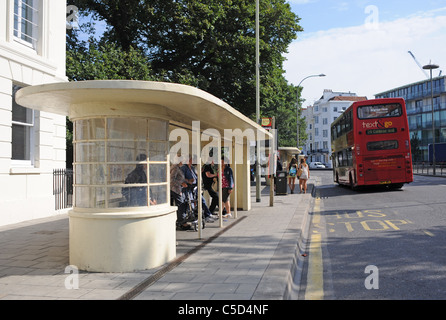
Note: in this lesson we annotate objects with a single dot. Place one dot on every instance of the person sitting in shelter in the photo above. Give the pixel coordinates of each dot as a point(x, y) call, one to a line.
point(178, 185)
point(191, 177)
point(137, 196)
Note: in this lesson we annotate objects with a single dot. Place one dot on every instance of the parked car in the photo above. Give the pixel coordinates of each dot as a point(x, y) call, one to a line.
point(316, 165)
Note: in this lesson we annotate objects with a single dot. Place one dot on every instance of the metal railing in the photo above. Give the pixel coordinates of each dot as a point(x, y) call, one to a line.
point(63, 188)
point(428, 169)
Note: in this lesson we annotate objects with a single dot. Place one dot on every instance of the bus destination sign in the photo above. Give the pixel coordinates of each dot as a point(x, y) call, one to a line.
point(381, 131)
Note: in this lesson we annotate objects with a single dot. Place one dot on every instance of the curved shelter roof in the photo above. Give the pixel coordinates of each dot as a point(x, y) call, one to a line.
point(171, 101)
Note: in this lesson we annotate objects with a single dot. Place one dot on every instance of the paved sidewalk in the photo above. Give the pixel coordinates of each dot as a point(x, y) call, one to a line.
point(253, 257)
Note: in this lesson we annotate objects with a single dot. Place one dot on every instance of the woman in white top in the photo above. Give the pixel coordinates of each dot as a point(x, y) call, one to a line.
point(304, 176)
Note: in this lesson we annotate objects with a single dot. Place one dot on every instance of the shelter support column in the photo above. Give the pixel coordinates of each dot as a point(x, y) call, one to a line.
point(243, 180)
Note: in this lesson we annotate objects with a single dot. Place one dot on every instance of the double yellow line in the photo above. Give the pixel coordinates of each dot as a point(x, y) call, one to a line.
point(315, 274)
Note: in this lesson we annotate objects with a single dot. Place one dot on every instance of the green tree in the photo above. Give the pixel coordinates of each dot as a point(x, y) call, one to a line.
point(209, 44)
point(94, 60)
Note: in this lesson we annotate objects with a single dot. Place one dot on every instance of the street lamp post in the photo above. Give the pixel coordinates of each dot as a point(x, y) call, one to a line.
point(431, 67)
point(257, 99)
point(298, 105)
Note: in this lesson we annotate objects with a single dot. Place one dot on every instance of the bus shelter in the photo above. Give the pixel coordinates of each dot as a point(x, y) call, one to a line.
point(127, 135)
point(286, 154)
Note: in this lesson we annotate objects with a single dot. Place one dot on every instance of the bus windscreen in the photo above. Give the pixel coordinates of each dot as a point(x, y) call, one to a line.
point(380, 111)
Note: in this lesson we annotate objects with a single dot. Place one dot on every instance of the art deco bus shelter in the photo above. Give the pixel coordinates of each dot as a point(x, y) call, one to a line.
point(122, 219)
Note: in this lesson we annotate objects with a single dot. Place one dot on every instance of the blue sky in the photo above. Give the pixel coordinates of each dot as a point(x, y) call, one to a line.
point(319, 15)
point(363, 45)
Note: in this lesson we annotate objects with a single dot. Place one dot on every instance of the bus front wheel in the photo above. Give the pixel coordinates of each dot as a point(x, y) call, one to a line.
point(352, 186)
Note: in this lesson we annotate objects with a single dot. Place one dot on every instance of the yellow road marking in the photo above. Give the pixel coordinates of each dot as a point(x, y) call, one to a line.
point(430, 234)
point(315, 274)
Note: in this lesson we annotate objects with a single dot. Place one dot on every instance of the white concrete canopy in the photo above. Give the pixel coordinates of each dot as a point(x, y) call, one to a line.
point(179, 102)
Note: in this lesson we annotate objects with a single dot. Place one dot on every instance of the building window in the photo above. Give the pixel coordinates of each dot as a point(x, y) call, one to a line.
point(26, 21)
point(22, 132)
point(325, 143)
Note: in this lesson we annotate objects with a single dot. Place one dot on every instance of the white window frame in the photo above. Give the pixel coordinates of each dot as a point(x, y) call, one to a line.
point(18, 33)
point(30, 139)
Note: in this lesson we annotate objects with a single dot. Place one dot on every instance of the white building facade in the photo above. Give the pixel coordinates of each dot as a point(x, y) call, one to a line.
point(319, 118)
point(32, 143)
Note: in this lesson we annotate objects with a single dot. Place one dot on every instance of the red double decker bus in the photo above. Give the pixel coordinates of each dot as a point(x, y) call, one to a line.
point(371, 145)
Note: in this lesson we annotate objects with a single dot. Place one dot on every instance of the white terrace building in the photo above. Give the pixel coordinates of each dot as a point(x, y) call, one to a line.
point(319, 118)
point(32, 143)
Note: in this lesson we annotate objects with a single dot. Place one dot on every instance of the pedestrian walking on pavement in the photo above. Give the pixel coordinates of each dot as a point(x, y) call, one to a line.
point(304, 176)
point(292, 172)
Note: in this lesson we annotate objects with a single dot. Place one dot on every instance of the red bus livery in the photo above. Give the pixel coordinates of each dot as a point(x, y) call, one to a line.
point(371, 145)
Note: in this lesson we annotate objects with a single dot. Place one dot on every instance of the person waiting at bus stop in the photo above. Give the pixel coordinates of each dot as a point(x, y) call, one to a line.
point(137, 196)
point(210, 174)
point(178, 184)
point(227, 184)
point(191, 177)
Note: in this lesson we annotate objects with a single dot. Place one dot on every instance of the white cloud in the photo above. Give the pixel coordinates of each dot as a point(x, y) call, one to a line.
point(365, 60)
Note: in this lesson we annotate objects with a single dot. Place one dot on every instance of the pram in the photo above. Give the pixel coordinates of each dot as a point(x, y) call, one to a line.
point(191, 212)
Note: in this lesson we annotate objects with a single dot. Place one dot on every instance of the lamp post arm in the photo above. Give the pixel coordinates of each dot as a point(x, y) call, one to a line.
point(298, 104)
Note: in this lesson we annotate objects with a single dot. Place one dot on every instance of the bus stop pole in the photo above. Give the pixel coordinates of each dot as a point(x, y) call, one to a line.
point(220, 194)
point(234, 170)
point(258, 196)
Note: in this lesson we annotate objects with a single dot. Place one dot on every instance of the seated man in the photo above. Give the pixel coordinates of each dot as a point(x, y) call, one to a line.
point(137, 196)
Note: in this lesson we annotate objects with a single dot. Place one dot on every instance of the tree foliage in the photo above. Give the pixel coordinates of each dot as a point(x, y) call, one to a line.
point(209, 44)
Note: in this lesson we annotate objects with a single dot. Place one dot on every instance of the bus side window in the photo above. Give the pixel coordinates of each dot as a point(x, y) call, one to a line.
point(348, 122)
point(349, 157)
point(333, 133)
point(339, 157)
